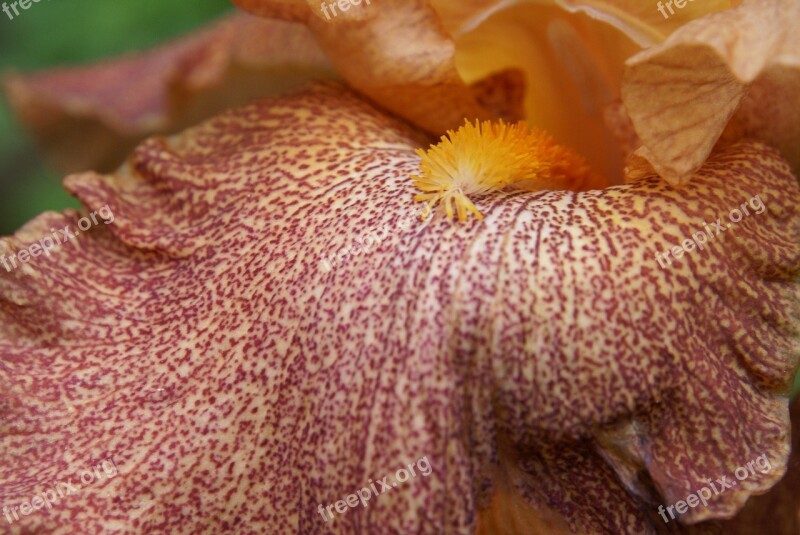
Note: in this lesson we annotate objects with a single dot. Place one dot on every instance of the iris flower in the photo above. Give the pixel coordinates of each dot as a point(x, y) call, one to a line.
point(268, 325)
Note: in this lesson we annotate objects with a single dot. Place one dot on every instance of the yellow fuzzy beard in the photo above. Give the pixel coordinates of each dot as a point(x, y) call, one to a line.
point(487, 157)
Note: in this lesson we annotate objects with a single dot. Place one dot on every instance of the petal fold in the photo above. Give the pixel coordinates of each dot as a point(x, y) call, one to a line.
point(780, 507)
point(640, 21)
point(398, 53)
point(738, 69)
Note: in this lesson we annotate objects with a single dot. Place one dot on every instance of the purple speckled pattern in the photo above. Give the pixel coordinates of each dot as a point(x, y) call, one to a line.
point(237, 385)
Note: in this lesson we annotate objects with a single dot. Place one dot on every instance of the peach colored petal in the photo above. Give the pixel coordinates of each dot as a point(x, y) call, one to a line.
point(645, 22)
point(738, 68)
point(542, 355)
point(91, 117)
point(401, 54)
point(572, 67)
point(642, 22)
point(428, 61)
point(397, 53)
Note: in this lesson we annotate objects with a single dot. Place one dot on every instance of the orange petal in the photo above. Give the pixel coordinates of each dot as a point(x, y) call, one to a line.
point(535, 61)
point(572, 67)
point(397, 53)
point(571, 53)
point(91, 117)
point(269, 328)
point(741, 64)
point(554, 55)
point(643, 22)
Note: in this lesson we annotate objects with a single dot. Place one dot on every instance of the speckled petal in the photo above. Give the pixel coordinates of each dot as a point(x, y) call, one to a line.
point(242, 370)
point(91, 117)
point(739, 69)
point(780, 507)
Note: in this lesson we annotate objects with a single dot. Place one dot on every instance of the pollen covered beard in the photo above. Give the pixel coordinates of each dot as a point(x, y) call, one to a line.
point(488, 157)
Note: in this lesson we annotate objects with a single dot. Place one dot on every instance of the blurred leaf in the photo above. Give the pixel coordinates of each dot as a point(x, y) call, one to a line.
point(70, 32)
point(796, 389)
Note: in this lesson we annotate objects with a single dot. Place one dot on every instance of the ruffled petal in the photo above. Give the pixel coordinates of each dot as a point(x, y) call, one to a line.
point(266, 328)
point(780, 507)
point(426, 60)
point(398, 54)
point(539, 60)
point(91, 117)
point(738, 69)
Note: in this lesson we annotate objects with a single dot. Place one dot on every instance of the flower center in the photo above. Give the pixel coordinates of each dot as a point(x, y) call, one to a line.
point(488, 157)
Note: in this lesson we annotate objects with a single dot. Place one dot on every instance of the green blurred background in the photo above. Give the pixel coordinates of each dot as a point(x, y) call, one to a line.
point(71, 32)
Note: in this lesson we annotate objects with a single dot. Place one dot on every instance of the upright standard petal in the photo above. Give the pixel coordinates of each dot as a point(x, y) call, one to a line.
point(647, 23)
point(397, 53)
point(739, 69)
point(423, 61)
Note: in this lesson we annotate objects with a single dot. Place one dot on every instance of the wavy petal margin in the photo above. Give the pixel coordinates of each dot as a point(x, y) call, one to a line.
point(780, 508)
point(738, 69)
point(647, 23)
point(91, 117)
point(425, 60)
point(641, 21)
point(245, 354)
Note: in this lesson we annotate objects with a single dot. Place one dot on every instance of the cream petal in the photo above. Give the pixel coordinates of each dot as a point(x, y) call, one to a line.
point(739, 66)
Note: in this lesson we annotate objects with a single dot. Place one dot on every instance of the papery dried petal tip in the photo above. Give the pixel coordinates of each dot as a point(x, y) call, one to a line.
point(487, 157)
point(726, 77)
